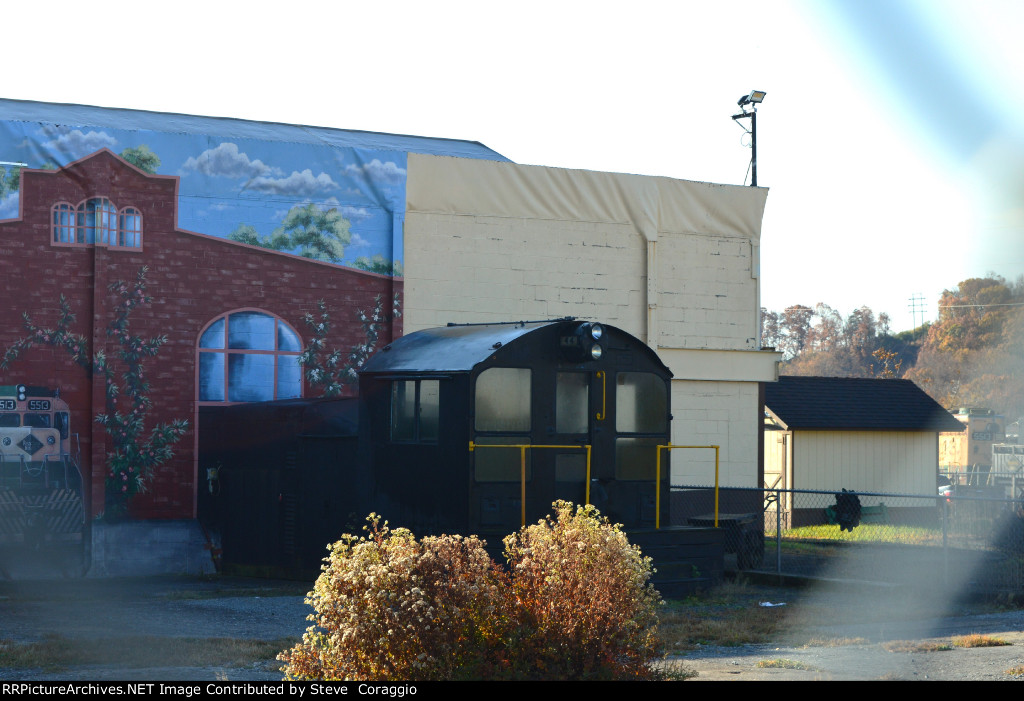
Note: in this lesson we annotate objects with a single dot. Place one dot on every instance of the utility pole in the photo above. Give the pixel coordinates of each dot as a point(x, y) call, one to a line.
point(916, 305)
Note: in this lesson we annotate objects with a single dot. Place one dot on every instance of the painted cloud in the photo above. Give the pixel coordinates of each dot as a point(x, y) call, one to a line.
point(75, 144)
point(227, 161)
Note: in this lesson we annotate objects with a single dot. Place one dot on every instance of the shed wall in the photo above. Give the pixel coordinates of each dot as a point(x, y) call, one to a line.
point(895, 461)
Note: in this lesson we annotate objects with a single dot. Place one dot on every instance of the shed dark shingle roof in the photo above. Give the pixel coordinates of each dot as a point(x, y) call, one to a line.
point(855, 403)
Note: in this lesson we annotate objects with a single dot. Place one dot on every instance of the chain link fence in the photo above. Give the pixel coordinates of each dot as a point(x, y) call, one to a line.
point(963, 539)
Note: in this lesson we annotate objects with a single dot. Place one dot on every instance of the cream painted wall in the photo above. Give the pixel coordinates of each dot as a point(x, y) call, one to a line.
point(869, 461)
point(671, 262)
point(715, 413)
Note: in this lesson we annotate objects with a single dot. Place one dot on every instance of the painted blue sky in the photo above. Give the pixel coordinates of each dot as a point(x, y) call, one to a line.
point(227, 182)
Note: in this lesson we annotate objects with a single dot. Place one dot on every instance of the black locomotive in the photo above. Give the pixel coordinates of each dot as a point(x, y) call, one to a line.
point(468, 428)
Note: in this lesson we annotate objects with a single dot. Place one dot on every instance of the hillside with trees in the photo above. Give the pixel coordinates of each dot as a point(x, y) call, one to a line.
point(972, 355)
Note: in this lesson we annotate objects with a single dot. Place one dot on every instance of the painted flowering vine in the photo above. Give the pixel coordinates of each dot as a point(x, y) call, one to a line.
point(332, 370)
point(135, 451)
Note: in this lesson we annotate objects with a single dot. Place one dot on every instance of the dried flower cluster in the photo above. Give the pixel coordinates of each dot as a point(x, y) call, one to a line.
point(574, 605)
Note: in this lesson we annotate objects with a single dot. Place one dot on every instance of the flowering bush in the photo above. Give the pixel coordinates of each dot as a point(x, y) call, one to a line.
point(391, 608)
point(584, 607)
point(575, 604)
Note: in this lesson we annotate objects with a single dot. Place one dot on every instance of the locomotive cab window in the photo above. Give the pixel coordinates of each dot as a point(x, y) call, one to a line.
point(414, 411)
point(641, 403)
point(503, 399)
point(502, 404)
point(641, 413)
point(572, 399)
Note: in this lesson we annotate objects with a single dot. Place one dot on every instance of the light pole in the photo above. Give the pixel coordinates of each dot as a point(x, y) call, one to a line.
point(753, 99)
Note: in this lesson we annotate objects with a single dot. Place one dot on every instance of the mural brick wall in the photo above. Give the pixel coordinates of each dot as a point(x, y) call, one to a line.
point(193, 278)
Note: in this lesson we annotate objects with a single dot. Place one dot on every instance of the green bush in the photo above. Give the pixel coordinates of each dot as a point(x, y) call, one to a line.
point(574, 604)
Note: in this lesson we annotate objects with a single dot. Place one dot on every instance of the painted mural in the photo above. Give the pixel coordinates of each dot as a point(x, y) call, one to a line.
point(339, 205)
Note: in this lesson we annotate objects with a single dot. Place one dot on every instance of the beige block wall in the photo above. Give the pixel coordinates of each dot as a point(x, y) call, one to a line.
point(671, 262)
point(715, 413)
point(480, 268)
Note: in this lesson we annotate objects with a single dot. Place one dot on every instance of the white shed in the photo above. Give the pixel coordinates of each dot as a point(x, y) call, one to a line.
point(860, 434)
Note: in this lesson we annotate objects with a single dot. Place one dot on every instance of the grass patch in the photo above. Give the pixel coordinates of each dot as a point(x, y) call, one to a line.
point(782, 663)
point(916, 646)
point(809, 547)
point(56, 652)
point(867, 533)
point(1017, 671)
point(727, 615)
point(834, 642)
point(978, 640)
point(675, 671)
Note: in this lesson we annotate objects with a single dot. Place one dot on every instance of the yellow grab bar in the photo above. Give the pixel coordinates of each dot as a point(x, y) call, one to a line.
point(523, 447)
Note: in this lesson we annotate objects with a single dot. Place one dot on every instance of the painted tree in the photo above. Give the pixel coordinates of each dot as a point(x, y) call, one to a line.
point(10, 180)
point(320, 234)
point(135, 451)
point(379, 264)
point(331, 370)
point(142, 158)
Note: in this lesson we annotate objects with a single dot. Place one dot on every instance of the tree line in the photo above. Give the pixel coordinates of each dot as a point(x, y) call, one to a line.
point(971, 355)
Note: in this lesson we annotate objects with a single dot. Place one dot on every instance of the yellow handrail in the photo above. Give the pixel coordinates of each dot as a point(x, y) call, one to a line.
point(523, 447)
point(657, 480)
point(604, 394)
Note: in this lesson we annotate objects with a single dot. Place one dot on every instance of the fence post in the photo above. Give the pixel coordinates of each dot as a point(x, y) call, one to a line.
point(945, 542)
point(778, 533)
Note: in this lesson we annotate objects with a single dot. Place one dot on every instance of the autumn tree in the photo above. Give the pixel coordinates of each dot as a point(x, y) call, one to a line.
point(796, 326)
point(771, 329)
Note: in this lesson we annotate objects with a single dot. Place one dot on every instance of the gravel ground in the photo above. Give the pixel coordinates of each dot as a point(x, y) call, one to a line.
point(838, 631)
point(182, 607)
point(270, 610)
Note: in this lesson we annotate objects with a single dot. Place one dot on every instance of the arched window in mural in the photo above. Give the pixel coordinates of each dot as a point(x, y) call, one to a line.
point(129, 228)
point(249, 356)
point(97, 220)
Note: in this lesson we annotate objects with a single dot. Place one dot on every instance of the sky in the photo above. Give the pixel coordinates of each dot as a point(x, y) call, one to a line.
point(891, 139)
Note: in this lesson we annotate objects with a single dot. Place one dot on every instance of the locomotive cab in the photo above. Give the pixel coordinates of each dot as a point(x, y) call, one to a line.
point(479, 428)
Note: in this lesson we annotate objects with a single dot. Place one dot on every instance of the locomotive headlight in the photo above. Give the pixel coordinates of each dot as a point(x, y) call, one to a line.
point(581, 342)
point(22, 390)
